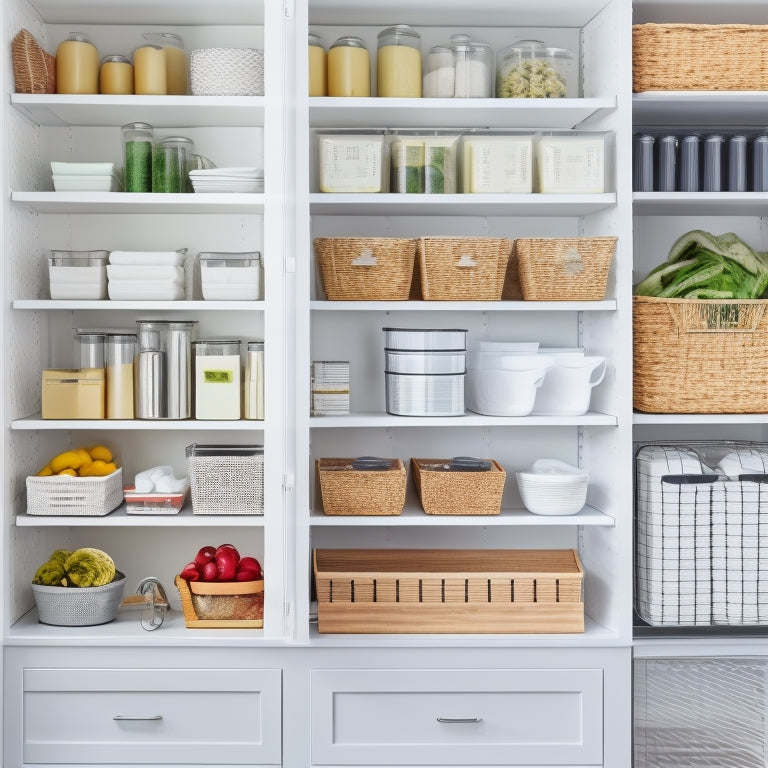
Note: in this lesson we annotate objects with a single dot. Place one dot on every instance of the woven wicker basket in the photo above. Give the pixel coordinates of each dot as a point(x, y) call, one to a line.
point(347, 491)
point(34, 69)
point(226, 72)
point(462, 268)
point(700, 355)
point(564, 268)
point(458, 493)
point(226, 604)
point(448, 590)
point(365, 268)
point(699, 57)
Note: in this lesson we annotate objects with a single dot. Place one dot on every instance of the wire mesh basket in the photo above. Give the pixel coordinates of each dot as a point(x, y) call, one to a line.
point(226, 479)
point(79, 606)
point(701, 533)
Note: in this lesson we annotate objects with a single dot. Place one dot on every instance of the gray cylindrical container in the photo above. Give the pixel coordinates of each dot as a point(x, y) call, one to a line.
point(643, 163)
point(737, 164)
point(689, 164)
point(713, 164)
point(150, 390)
point(760, 164)
point(667, 164)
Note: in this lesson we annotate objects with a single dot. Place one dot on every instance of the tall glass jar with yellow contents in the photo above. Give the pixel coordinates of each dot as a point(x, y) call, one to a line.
point(398, 62)
point(77, 65)
point(349, 68)
point(318, 66)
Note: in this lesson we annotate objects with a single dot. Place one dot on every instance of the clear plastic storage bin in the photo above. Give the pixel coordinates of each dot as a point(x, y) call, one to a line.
point(78, 274)
point(231, 276)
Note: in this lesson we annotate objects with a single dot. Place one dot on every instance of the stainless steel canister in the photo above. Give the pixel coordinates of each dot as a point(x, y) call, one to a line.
point(150, 390)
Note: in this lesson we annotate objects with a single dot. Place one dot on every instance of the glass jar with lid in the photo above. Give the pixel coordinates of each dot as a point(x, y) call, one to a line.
point(137, 157)
point(349, 68)
point(116, 75)
point(529, 69)
point(170, 164)
point(318, 66)
point(398, 62)
point(175, 60)
point(150, 76)
point(461, 68)
point(77, 65)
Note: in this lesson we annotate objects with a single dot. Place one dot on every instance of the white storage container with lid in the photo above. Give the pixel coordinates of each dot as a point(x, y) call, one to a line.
point(231, 276)
point(78, 274)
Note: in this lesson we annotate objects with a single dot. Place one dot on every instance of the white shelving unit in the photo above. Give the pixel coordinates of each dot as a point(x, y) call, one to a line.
point(288, 667)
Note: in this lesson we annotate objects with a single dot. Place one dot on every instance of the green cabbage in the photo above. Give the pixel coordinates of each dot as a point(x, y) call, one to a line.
point(90, 567)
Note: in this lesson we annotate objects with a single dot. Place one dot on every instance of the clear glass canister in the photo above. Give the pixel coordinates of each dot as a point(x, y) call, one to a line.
point(349, 68)
point(150, 75)
point(474, 67)
point(529, 69)
point(137, 155)
point(116, 75)
point(217, 379)
point(89, 349)
point(398, 62)
point(120, 349)
point(77, 65)
point(171, 160)
point(253, 386)
point(439, 73)
point(318, 66)
point(175, 60)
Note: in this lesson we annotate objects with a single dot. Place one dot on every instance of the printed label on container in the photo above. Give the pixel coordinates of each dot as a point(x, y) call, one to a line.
point(218, 377)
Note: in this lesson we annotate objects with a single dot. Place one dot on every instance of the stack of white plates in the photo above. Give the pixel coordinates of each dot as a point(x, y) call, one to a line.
point(227, 180)
point(553, 487)
point(84, 177)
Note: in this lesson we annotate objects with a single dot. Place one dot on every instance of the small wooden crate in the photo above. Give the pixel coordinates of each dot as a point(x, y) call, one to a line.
point(207, 604)
point(348, 491)
point(699, 57)
point(462, 268)
point(476, 591)
point(458, 493)
point(564, 268)
point(365, 268)
point(700, 355)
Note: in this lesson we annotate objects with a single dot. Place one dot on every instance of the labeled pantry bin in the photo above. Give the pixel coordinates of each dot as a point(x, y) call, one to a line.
point(74, 496)
point(365, 268)
point(392, 591)
point(226, 479)
point(700, 355)
point(225, 605)
point(367, 485)
point(564, 268)
point(460, 486)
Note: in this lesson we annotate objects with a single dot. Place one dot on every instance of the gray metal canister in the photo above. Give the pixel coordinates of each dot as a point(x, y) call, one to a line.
point(150, 392)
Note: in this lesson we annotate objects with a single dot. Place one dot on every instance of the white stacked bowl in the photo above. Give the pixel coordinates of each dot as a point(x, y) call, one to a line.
point(553, 488)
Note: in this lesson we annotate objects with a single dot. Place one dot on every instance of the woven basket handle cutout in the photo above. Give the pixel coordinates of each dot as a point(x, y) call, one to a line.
point(365, 259)
point(717, 317)
point(466, 260)
point(572, 262)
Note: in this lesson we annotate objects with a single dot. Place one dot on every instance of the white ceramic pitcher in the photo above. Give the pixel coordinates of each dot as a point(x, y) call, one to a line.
point(567, 388)
point(499, 392)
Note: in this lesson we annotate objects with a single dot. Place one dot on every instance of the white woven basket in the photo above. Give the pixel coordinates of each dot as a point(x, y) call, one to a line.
point(74, 496)
point(226, 483)
point(79, 606)
point(227, 72)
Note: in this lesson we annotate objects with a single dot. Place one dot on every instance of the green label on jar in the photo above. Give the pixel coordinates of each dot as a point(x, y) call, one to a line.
point(218, 377)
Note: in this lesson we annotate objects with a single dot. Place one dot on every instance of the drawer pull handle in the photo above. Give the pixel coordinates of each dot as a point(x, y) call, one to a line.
point(137, 717)
point(459, 719)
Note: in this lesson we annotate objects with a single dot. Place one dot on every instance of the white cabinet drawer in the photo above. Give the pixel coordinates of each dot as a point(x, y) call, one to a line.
point(156, 716)
point(457, 717)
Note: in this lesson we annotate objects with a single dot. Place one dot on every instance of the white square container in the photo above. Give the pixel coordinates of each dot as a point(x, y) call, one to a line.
point(231, 276)
point(410, 394)
point(573, 164)
point(351, 162)
point(496, 164)
point(78, 274)
point(426, 339)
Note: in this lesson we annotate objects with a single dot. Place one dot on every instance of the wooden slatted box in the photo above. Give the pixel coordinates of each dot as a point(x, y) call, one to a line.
point(448, 591)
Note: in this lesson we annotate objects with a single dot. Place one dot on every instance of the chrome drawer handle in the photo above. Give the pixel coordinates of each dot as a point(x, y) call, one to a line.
point(137, 717)
point(459, 719)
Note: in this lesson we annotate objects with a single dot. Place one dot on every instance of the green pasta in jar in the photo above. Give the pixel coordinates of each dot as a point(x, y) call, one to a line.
point(529, 70)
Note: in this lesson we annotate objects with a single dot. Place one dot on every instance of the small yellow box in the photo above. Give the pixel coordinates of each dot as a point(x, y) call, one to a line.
point(73, 393)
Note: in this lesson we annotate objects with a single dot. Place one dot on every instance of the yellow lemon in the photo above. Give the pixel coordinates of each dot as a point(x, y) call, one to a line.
point(67, 460)
point(100, 452)
point(85, 457)
point(100, 468)
point(45, 471)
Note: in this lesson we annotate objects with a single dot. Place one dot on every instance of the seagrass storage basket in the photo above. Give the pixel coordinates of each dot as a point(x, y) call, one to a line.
point(227, 604)
point(74, 496)
point(462, 268)
point(564, 268)
point(448, 590)
point(348, 487)
point(226, 479)
point(365, 268)
point(699, 57)
point(700, 355)
point(443, 492)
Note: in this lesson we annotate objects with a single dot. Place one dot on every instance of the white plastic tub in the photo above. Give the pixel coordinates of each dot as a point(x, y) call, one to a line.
point(231, 276)
point(78, 274)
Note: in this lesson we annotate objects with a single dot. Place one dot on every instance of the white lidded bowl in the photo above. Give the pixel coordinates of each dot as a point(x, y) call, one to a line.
point(552, 487)
point(505, 392)
point(402, 361)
